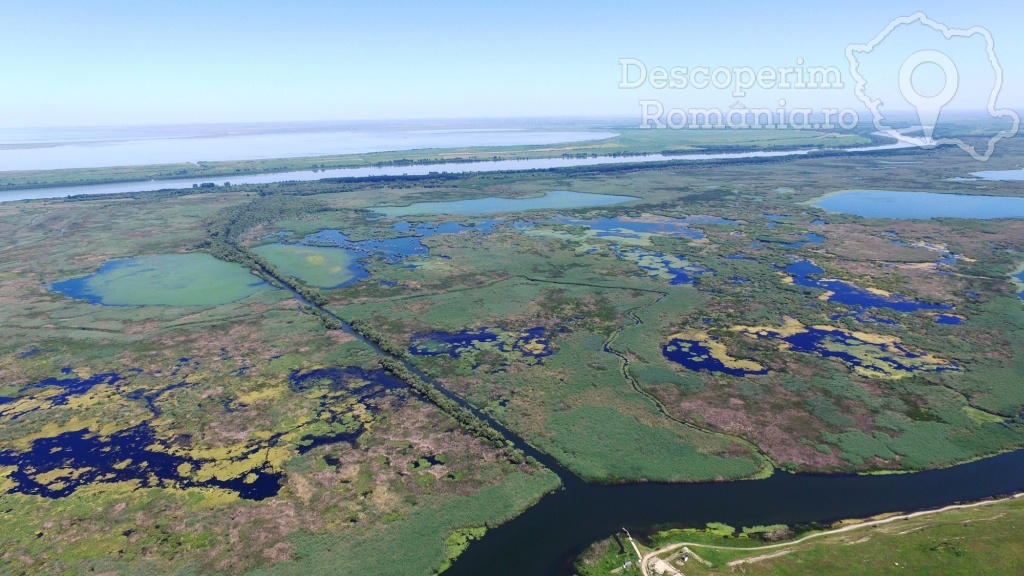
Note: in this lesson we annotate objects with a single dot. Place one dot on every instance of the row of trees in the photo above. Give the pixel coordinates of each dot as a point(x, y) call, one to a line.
point(231, 223)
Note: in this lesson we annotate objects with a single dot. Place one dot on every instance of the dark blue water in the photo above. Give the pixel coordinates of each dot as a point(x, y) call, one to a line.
point(544, 539)
point(851, 295)
point(395, 250)
point(79, 288)
point(822, 343)
point(693, 355)
point(123, 456)
point(811, 238)
point(68, 387)
point(368, 387)
point(679, 274)
point(455, 344)
point(105, 457)
point(949, 319)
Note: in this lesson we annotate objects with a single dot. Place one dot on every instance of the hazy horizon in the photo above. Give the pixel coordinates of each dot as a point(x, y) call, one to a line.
point(131, 64)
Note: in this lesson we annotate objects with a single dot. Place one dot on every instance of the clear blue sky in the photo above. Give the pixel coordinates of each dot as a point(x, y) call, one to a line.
point(103, 63)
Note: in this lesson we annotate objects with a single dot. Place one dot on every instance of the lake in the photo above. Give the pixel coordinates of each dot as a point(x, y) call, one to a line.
point(194, 279)
point(1011, 175)
point(62, 148)
point(909, 205)
point(554, 200)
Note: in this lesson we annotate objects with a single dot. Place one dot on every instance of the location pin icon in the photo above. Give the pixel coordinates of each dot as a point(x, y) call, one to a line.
point(929, 107)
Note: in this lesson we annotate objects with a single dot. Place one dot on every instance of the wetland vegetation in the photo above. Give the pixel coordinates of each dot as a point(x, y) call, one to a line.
point(293, 367)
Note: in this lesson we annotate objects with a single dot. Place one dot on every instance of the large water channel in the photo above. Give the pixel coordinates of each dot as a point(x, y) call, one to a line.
point(544, 540)
point(377, 171)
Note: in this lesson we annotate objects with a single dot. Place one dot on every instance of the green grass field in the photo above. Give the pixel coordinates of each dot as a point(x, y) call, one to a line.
point(216, 381)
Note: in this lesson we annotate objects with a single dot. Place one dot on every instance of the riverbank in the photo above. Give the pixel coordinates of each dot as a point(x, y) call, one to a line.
point(629, 145)
point(921, 542)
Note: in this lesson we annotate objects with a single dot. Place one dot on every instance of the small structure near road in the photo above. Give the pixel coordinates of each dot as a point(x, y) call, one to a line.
point(662, 568)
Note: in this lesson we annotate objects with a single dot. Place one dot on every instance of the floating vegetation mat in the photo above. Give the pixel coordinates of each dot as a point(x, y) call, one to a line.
point(806, 273)
point(675, 269)
point(530, 345)
point(64, 454)
point(874, 355)
point(700, 351)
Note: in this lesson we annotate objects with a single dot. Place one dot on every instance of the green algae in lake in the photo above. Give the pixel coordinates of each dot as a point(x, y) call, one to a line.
point(622, 230)
point(315, 265)
point(676, 269)
point(530, 345)
point(556, 200)
point(194, 279)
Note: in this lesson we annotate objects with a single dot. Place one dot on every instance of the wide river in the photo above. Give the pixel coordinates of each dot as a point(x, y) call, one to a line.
point(415, 170)
point(544, 539)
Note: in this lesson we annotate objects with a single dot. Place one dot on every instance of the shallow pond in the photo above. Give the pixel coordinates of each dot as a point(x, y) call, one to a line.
point(133, 454)
point(349, 394)
point(700, 352)
point(1011, 175)
point(810, 238)
point(844, 293)
point(315, 265)
point(396, 250)
point(643, 227)
point(554, 200)
point(906, 205)
point(872, 355)
point(56, 466)
point(531, 344)
point(194, 279)
point(676, 269)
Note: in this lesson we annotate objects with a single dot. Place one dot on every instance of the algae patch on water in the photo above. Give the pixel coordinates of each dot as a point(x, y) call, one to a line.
point(530, 345)
point(193, 279)
point(315, 265)
point(874, 355)
point(700, 351)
